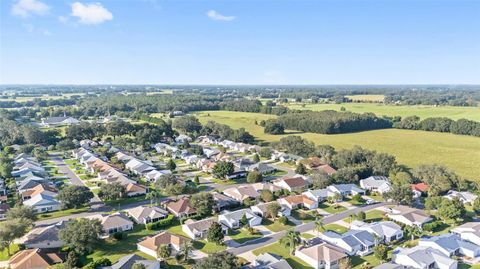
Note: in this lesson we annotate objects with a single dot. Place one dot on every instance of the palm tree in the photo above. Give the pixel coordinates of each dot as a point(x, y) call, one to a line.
point(152, 195)
point(164, 251)
point(416, 231)
point(186, 248)
point(319, 227)
point(291, 239)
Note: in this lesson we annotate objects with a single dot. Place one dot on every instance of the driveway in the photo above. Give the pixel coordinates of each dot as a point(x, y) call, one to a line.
point(267, 240)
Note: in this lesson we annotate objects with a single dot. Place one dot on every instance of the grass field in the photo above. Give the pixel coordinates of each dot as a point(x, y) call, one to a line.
point(366, 97)
point(43, 97)
point(453, 112)
point(278, 249)
point(412, 148)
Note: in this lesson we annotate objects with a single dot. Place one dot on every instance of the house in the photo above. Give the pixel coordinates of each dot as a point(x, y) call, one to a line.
point(139, 167)
point(327, 169)
point(469, 231)
point(182, 139)
point(346, 189)
point(353, 242)
point(409, 216)
point(298, 201)
point(451, 244)
point(114, 223)
point(464, 196)
point(151, 244)
point(321, 256)
point(390, 265)
point(232, 219)
point(284, 158)
point(165, 149)
point(154, 175)
point(387, 231)
point(127, 262)
point(421, 257)
point(262, 168)
point(292, 184)
point(39, 189)
point(269, 261)
point(43, 203)
point(260, 186)
point(318, 195)
point(262, 208)
point(223, 202)
point(419, 189)
point(43, 237)
point(199, 229)
point(34, 259)
point(134, 189)
point(209, 152)
point(313, 162)
point(378, 184)
point(181, 208)
point(147, 214)
point(242, 193)
point(3, 210)
point(58, 121)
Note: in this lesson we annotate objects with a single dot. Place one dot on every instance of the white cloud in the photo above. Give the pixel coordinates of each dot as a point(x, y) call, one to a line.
point(214, 15)
point(63, 19)
point(93, 13)
point(26, 8)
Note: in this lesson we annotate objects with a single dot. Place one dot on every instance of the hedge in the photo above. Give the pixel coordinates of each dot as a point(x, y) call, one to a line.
point(161, 223)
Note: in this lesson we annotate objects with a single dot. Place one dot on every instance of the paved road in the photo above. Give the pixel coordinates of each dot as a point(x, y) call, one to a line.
point(267, 240)
point(57, 159)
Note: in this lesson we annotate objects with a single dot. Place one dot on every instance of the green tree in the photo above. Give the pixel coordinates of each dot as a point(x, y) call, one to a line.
point(320, 179)
point(203, 203)
point(476, 205)
point(244, 220)
point(81, 235)
point(138, 266)
point(451, 209)
point(152, 195)
point(11, 230)
point(274, 127)
point(222, 169)
point(273, 209)
point(300, 169)
point(291, 240)
point(196, 179)
point(254, 177)
point(187, 124)
point(74, 196)
point(361, 215)
point(111, 191)
point(164, 251)
point(256, 158)
point(21, 212)
point(171, 165)
point(319, 227)
point(186, 249)
point(267, 196)
point(215, 234)
point(380, 251)
point(345, 263)
point(401, 194)
point(218, 260)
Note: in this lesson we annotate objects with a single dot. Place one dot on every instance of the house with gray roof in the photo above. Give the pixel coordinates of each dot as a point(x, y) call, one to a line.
point(269, 261)
point(262, 168)
point(422, 257)
point(127, 262)
point(451, 244)
point(319, 195)
point(43, 203)
point(353, 242)
point(464, 196)
point(147, 214)
point(409, 216)
point(346, 189)
point(43, 236)
point(388, 231)
point(58, 121)
point(469, 231)
point(199, 229)
point(232, 219)
point(380, 184)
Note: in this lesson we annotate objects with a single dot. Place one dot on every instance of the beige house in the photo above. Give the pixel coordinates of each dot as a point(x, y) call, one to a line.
point(34, 259)
point(199, 229)
point(181, 208)
point(409, 216)
point(113, 223)
point(147, 214)
point(151, 244)
point(321, 256)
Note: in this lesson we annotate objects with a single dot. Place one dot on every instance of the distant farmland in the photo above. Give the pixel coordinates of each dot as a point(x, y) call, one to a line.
point(460, 153)
point(453, 112)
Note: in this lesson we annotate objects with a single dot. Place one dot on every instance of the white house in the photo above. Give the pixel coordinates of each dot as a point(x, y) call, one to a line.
point(269, 261)
point(388, 231)
point(43, 203)
point(147, 214)
point(464, 196)
point(298, 201)
point(451, 245)
point(58, 121)
point(378, 184)
point(199, 229)
point(346, 189)
point(262, 208)
point(113, 223)
point(292, 183)
point(353, 242)
point(409, 216)
point(421, 257)
point(469, 231)
point(318, 195)
point(232, 219)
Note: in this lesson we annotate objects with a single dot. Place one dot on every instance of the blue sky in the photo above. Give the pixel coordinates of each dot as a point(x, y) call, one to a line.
point(239, 42)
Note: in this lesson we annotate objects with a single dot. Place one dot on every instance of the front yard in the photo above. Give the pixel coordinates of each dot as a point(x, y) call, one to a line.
point(278, 249)
point(62, 213)
point(336, 228)
point(208, 247)
point(332, 209)
point(302, 215)
point(276, 226)
point(242, 235)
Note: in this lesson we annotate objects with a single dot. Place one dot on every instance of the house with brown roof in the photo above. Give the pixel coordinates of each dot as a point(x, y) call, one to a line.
point(327, 169)
point(292, 183)
point(321, 256)
point(134, 189)
point(151, 244)
point(39, 189)
point(43, 237)
point(199, 229)
point(419, 189)
point(313, 162)
point(34, 259)
point(181, 208)
point(409, 216)
point(113, 223)
point(241, 193)
point(297, 201)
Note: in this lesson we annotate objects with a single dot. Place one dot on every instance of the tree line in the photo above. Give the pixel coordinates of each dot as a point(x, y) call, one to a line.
point(440, 124)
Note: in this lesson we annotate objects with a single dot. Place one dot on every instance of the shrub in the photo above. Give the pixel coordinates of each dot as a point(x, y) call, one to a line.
point(161, 223)
point(283, 220)
point(119, 235)
point(432, 226)
point(102, 262)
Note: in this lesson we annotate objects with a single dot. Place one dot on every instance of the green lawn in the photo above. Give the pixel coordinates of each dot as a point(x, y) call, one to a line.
point(207, 247)
point(276, 226)
point(177, 229)
point(278, 249)
point(331, 208)
point(374, 215)
point(366, 97)
point(336, 228)
point(307, 235)
point(358, 262)
point(4, 254)
point(377, 197)
point(303, 215)
point(242, 235)
point(61, 213)
point(125, 201)
point(458, 152)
